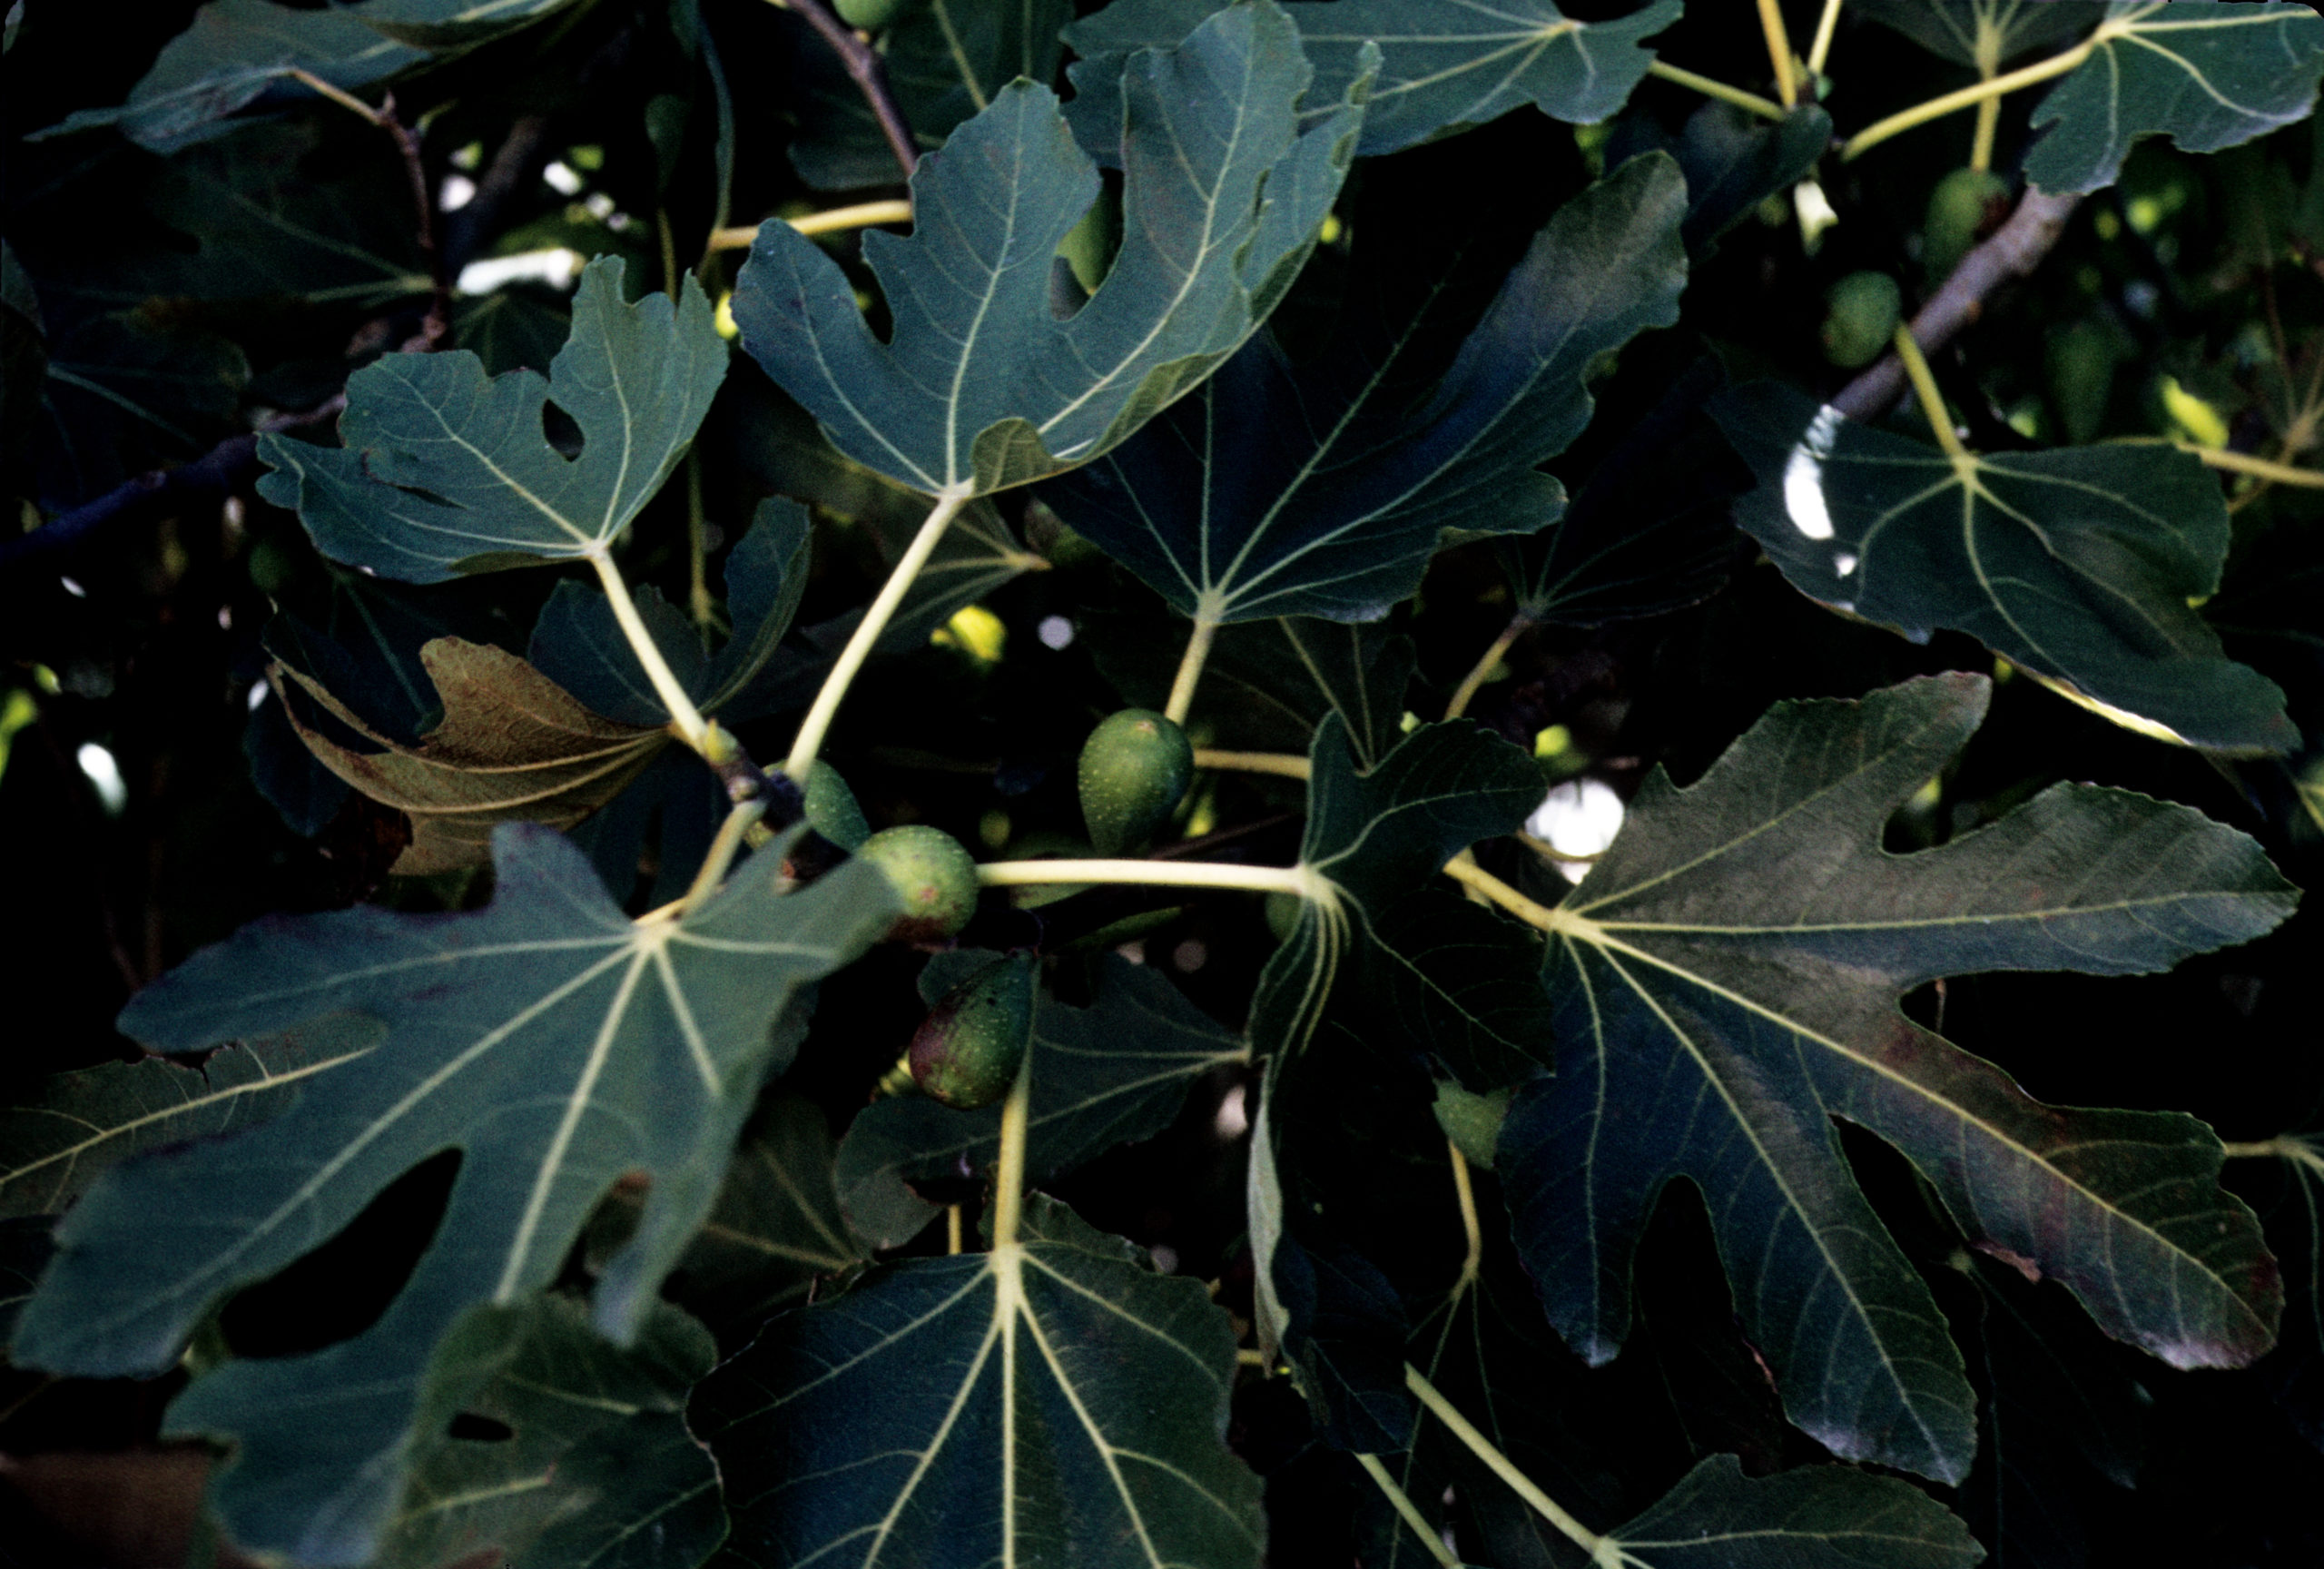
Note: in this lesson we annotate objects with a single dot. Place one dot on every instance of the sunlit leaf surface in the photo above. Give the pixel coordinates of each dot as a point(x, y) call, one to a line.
point(2208, 74)
point(447, 471)
point(2082, 564)
point(980, 385)
point(1444, 64)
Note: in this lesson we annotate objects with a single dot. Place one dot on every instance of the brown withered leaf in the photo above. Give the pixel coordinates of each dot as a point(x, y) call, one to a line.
point(513, 745)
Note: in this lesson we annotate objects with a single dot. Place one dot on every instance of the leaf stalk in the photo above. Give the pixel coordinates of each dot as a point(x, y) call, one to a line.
point(1482, 671)
point(1821, 50)
point(861, 215)
point(1401, 1502)
point(1296, 880)
point(818, 722)
point(1908, 351)
point(1500, 1465)
point(1009, 1179)
point(1991, 87)
point(1779, 50)
point(1287, 764)
point(1182, 689)
point(684, 717)
point(1764, 107)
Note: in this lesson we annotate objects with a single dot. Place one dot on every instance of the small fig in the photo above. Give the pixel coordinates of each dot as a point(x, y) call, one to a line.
point(967, 1051)
point(1860, 316)
point(933, 876)
point(1964, 205)
point(867, 16)
point(1473, 1121)
point(831, 808)
point(1134, 768)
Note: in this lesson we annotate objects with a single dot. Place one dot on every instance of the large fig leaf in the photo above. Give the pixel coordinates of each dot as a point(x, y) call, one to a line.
point(1444, 65)
point(980, 385)
point(556, 1044)
point(1817, 1517)
point(2082, 565)
point(1110, 1073)
point(1046, 1402)
point(2208, 74)
point(775, 1231)
point(1727, 979)
point(1322, 491)
point(949, 59)
point(87, 1121)
point(1375, 836)
point(238, 51)
point(561, 1395)
point(1993, 31)
point(447, 471)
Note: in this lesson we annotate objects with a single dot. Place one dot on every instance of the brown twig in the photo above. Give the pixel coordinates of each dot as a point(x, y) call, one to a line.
point(163, 493)
point(440, 310)
point(2014, 251)
point(871, 74)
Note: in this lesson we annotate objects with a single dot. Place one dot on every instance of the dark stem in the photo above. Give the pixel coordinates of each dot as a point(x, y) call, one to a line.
point(2016, 249)
point(163, 493)
point(439, 309)
point(863, 64)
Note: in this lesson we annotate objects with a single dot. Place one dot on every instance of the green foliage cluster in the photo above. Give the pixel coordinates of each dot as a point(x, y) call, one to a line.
point(1375, 781)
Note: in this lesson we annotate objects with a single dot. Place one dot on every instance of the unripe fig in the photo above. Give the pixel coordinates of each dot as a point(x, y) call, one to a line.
point(931, 873)
point(2080, 364)
point(870, 15)
point(1964, 206)
point(967, 1051)
point(831, 807)
point(1473, 1121)
point(1133, 768)
point(1860, 316)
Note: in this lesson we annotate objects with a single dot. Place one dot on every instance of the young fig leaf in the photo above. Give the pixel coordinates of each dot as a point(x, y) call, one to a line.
point(980, 385)
point(445, 471)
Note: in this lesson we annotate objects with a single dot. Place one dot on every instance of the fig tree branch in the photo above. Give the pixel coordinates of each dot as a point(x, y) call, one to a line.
point(871, 74)
point(2015, 250)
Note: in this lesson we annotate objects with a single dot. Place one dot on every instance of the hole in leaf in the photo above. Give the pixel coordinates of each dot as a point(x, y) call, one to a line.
point(339, 1290)
point(558, 429)
point(479, 1429)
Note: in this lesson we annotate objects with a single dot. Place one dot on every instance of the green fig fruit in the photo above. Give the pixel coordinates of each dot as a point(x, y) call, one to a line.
point(831, 808)
point(2081, 358)
point(1964, 206)
point(967, 1051)
point(1860, 316)
point(1473, 1121)
point(1134, 768)
point(867, 16)
point(933, 876)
